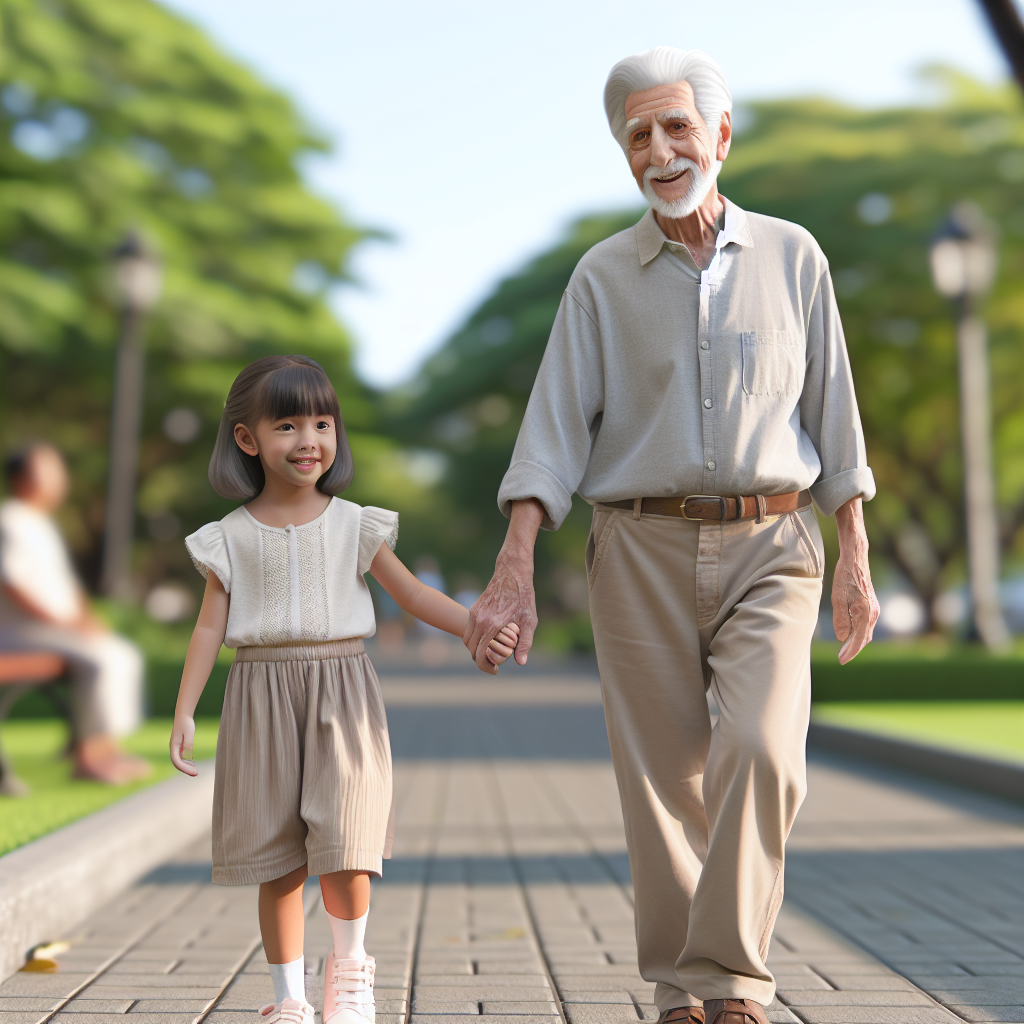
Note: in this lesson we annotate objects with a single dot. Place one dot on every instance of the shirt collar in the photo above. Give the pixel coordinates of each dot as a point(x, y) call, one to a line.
point(650, 238)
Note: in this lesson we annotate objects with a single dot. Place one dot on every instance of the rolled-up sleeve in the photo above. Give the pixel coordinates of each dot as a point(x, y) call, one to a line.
point(828, 408)
point(553, 447)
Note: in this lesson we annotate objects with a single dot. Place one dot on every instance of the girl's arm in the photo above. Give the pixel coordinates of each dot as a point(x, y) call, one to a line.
point(431, 606)
point(203, 649)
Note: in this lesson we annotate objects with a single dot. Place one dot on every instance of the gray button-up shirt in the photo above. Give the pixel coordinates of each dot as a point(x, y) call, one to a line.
point(661, 379)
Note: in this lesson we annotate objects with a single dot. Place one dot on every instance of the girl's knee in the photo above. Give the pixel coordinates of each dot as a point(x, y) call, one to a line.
point(286, 883)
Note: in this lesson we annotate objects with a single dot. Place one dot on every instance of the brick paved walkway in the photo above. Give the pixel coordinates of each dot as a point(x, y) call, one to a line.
point(508, 899)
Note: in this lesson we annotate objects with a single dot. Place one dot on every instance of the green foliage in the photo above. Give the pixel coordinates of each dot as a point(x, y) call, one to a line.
point(117, 114)
point(468, 403)
point(929, 669)
point(811, 162)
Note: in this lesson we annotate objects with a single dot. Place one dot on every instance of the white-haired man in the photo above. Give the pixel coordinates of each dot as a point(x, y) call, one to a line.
point(696, 390)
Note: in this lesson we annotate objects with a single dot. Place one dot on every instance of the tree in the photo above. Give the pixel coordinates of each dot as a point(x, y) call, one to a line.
point(872, 186)
point(117, 114)
point(467, 403)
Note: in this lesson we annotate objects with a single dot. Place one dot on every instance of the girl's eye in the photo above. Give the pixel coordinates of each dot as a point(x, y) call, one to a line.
point(323, 425)
point(286, 426)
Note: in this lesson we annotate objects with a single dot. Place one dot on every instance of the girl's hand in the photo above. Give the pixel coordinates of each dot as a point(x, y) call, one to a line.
point(502, 647)
point(183, 734)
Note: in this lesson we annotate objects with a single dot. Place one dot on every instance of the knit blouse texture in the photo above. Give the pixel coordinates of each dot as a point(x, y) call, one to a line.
point(295, 584)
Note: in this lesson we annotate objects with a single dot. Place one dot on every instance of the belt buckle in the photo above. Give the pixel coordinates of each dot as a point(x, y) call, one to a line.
point(704, 497)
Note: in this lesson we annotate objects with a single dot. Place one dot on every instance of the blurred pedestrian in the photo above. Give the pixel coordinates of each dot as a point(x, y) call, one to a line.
point(43, 607)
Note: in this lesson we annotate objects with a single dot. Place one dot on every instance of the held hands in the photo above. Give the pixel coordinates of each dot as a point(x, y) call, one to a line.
point(507, 599)
point(501, 648)
point(509, 596)
point(183, 734)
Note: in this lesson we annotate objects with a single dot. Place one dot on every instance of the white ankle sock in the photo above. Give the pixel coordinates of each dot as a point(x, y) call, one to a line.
point(348, 936)
point(289, 980)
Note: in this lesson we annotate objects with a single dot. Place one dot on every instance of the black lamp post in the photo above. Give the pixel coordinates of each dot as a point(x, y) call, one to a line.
point(963, 262)
point(137, 281)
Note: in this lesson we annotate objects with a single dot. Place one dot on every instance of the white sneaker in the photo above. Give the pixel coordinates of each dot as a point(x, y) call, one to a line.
point(288, 1011)
point(348, 990)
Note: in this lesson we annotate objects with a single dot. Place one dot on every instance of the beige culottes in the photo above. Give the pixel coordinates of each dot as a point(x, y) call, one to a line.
point(678, 606)
point(303, 765)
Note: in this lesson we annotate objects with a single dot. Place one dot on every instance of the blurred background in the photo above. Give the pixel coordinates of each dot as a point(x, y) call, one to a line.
point(402, 192)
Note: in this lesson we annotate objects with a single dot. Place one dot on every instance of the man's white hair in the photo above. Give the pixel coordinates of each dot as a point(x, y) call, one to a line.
point(665, 65)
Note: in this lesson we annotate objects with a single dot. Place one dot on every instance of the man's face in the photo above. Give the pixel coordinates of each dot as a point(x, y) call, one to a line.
point(664, 129)
point(45, 483)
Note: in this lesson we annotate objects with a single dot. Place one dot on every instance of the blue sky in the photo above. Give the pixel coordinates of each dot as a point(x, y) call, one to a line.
point(474, 132)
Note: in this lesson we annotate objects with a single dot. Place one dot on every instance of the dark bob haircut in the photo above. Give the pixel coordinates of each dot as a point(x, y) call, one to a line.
point(274, 388)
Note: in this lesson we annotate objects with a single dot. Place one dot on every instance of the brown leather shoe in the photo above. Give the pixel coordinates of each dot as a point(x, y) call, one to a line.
point(734, 1011)
point(682, 1015)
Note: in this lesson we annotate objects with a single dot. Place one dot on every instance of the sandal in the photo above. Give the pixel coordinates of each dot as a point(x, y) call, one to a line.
point(682, 1015)
point(734, 1011)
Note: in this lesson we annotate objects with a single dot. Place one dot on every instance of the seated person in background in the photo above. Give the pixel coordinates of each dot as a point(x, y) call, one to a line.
point(44, 608)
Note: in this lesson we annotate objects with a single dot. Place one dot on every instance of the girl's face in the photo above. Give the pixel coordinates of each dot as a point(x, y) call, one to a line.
point(297, 450)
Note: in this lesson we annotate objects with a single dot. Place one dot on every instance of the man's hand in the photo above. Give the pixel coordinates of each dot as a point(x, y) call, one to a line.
point(854, 605)
point(509, 596)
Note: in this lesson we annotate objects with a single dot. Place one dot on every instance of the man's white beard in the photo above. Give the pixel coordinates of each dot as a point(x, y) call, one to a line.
point(700, 185)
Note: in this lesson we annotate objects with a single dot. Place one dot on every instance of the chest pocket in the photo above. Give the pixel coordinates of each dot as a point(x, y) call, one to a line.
point(773, 362)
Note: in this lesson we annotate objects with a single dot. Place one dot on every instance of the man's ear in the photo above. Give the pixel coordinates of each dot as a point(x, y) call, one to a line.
point(246, 440)
point(724, 136)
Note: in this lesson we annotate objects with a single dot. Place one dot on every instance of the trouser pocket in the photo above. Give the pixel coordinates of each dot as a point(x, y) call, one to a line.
point(810, 541)
point(601, 528)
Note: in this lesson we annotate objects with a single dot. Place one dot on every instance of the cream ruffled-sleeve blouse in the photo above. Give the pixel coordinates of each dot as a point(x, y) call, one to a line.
point(296, 584)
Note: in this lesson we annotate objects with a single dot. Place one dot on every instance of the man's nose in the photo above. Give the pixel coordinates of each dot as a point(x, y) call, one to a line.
point(662, 153)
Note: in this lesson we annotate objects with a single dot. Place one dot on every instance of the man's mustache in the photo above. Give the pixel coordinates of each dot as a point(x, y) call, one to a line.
point(671, 170)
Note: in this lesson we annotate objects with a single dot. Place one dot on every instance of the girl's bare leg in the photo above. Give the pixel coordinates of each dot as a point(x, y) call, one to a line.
point(282, 921)
point(346, 894)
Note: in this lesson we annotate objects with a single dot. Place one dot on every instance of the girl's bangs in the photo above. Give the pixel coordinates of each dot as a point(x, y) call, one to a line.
point(298, 390)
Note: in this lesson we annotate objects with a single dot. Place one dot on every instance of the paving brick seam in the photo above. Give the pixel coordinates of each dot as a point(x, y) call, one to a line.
point(137, 938)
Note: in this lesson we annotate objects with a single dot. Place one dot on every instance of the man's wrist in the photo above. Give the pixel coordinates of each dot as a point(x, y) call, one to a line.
point(516, 560)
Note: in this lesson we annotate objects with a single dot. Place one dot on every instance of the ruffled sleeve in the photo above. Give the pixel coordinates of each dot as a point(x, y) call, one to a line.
point(209, 552)
point(376, 526)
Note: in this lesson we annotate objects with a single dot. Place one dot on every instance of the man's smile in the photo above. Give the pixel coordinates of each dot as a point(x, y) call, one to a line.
point(673, 177)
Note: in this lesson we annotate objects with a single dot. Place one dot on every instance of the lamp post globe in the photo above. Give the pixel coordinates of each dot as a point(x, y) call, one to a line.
point(963, 265)
point(137, 279)
point(138, 276)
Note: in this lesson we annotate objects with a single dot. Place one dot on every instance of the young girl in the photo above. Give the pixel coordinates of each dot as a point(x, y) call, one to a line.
point(303, 780)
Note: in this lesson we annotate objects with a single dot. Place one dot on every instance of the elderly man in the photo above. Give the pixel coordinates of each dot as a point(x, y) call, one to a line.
point(696, 391)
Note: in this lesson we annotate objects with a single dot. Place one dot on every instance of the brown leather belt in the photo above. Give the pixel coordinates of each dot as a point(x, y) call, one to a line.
point(717, 509)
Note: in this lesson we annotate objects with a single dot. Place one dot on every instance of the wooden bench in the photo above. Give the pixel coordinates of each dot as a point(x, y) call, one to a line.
point(21, 671)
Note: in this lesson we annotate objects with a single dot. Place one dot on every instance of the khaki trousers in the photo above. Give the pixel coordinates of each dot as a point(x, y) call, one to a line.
point(679, 607)
point(106, 674)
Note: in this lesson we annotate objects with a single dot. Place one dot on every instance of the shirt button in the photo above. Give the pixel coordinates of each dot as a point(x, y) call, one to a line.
point(707, 403)
point(711, 466)
point(704, 345)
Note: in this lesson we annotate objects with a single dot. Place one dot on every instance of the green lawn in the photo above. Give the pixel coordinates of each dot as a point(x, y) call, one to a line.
point(35, 747)
point(994, 728)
